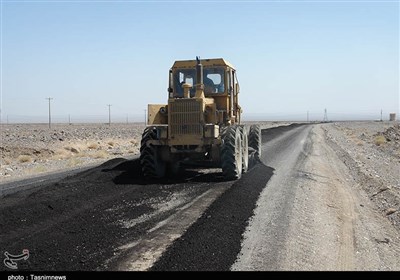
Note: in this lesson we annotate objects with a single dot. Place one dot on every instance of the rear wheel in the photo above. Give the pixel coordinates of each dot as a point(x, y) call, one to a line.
point(255, 139)
point(245, 149)
point(231, 153)
point(150, 160)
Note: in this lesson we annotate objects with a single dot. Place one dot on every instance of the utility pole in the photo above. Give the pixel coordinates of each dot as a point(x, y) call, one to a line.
point(109, 114)
point(49, 98)
point(145, 116)
point(325, 116)
point(381, 115)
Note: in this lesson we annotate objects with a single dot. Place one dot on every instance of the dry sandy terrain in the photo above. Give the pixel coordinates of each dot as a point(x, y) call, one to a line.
point(35, 149)
point(371, 153)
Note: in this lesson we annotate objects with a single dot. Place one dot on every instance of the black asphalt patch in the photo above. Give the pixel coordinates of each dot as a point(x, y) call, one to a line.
point(68, 224)
point(214, 240)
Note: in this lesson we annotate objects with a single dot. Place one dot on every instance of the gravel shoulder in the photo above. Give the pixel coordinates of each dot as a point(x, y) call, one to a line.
point(335, 225)
point(332, 206)
point(371, 152)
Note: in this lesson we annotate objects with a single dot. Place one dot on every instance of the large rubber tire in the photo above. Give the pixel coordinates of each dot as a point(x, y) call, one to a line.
point(255, 139)
point(152, 165)
point(245, 149)
point(231, 153)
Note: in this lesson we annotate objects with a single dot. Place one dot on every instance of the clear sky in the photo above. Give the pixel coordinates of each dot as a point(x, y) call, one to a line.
point(292, 57)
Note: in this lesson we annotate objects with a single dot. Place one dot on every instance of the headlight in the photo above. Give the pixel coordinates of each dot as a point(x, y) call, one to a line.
point(163, 110)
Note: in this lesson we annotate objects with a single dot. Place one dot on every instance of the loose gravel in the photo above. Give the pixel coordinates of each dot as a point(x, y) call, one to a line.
point(371, 151)
point(28, 150)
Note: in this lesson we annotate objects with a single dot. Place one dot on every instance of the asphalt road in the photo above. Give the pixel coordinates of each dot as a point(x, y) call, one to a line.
point(111, 218)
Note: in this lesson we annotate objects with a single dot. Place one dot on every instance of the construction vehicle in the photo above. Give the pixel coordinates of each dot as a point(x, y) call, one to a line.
point(200, 124)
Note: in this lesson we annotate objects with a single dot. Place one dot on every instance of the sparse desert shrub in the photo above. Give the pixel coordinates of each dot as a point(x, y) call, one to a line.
point(5, 161)
point(62, 154)
point(24, 158)
point(93, 146)
point(72, 149)
point(379, 140)
point(38, 169)
point(111, 143)
point(100, 154)
point(74, 162)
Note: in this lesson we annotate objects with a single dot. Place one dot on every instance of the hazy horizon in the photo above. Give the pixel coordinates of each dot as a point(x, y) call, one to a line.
point(136, 118)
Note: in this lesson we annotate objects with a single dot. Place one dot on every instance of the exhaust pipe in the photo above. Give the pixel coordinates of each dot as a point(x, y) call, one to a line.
point(199, 78)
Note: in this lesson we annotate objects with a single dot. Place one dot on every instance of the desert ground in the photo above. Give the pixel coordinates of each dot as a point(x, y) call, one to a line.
point(371, 152)
point(35, 149)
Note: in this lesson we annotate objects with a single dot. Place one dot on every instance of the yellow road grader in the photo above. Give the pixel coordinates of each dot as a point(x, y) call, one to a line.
point(201, 124)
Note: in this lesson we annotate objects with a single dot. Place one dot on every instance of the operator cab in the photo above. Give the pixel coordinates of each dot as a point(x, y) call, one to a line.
point(214, 81)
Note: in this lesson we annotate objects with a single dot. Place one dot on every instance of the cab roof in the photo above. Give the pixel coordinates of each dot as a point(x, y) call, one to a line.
point(209, 62)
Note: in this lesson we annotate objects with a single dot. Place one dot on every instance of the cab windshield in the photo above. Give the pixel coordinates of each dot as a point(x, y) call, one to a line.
point(213, 79)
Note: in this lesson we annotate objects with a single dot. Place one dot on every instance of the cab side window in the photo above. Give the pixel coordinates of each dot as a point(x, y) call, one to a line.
point(214, 80)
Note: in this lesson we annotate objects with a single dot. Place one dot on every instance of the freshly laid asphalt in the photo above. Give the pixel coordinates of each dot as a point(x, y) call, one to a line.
point(74, 222)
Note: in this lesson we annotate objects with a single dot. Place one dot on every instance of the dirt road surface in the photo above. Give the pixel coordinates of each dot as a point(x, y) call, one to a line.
point(300, 207)
point(312, 216)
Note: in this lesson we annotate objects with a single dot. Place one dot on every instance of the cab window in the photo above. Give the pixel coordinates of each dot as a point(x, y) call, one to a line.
point(214, 80)
point(181, 77)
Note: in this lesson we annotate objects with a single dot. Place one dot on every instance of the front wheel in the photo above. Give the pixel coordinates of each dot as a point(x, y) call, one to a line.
point(231, 153)
point(152, 164)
